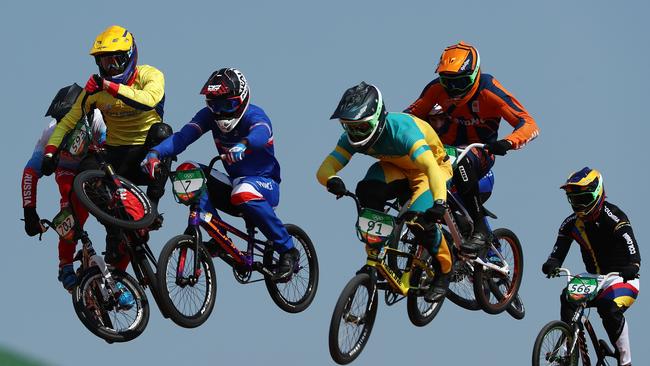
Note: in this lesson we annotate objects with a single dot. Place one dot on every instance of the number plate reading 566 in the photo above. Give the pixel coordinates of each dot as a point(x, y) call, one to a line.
point(581, 288)
point(375, 223)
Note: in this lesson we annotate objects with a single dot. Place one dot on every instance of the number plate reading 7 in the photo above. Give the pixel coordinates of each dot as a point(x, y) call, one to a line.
point(188, 185)
point(375, 223)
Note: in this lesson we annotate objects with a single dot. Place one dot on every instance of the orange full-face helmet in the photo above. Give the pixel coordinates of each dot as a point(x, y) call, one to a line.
point(459, 69)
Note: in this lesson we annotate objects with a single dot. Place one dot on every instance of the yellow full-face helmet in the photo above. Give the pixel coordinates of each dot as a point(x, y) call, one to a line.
point(115, 53)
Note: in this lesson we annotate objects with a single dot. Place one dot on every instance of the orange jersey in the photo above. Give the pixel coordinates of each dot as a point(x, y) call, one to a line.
point(476, 117)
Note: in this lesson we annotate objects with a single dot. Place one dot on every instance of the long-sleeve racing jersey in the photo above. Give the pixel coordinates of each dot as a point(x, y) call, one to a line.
point(606, 244)
point(477, 116)
point(128, 110)
point(407, 142)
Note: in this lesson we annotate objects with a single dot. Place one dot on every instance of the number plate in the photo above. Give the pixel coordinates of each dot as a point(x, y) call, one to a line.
point(79, 138)
point(188, 185)
point(582, 289)
point(452, 152)
point(375, 227)
point(64, 224)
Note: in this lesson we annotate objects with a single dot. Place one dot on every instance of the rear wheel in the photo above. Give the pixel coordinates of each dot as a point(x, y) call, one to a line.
point(353, 319)
point(187, 296)
point(552, 346)
point(103, 315)
point(516, 308)
point(493, 289)
point(421, 312)
point(296, 294)
point(129, 208)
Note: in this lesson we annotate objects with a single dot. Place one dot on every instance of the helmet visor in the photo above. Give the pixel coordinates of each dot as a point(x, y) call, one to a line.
point(113, 64)
point(224, 106)
point(457, 83)
point(582, 199)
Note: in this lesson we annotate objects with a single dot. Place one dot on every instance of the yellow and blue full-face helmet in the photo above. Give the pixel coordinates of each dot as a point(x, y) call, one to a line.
point(116, 54)
point(585, 192)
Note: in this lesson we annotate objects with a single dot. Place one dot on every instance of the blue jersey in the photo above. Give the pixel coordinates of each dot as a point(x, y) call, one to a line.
point(254, 125)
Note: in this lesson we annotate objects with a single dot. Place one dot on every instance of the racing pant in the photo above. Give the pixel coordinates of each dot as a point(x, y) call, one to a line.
point(64, 179)
point(385, 181)
point(611, 303)
point(476, 164)
point(253, 196)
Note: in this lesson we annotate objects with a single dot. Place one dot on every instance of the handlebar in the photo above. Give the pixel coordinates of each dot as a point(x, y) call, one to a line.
point(601, 278)
point(467, 149)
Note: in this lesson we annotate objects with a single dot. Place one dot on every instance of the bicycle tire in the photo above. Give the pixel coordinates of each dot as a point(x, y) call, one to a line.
point(280, 291)
point(151, 280)
point(461, 285)
point(342, 314)
point(542, 357)
point(421, 312)
point(499, 302)
point(94, 190)
point(517, 309)
point(182, 311)
point(98, 319)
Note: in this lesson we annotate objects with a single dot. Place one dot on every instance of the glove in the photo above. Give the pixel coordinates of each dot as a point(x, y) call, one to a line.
point(550, 266)
point(94, 84)
point(336, 186)
point(236, 153)
point(498, 147)
point(32, 221)
point(437, 211)
point(629, 272)
point(150, 163)
point(49, 163)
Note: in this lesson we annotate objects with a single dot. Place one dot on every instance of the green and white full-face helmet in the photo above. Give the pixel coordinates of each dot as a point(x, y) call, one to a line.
point(362, 114)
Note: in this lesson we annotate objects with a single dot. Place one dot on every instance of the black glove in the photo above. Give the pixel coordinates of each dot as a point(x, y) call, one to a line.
point(436, 212)
point(336, 186)
point(32, 221)
point(498, 147)
point(629, 272)
point(550, 266)
point(48, 166)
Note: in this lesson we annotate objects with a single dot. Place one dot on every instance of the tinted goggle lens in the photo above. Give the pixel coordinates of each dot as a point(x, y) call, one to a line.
point(113, 62)
point(357, 128)
point(456, 82)
point(581, 199)
point(219, 106)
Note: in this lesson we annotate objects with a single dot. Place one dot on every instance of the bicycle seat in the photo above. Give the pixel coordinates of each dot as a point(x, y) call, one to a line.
point(488, 213)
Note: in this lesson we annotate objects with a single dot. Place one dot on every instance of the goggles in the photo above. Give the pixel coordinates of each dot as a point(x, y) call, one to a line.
point(582, 199)
point(113, 64)
point(224, 106)
point(457, 83)
point(357, 128)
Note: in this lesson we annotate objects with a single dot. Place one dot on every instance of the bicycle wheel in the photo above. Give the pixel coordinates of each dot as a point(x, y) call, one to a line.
point(421, 312)
point(296, 294)
point(188, 296)
point(516, 308)
point(353, 318)
point(461, 284)
point(552, 346)
point(128, 209)
point(106, 318)
point(505, 247)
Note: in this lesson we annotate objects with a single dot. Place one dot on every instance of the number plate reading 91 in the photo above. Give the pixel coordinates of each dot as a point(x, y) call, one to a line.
point(375, 223)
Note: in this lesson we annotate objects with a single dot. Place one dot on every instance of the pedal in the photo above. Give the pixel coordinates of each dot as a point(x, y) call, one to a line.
point(604, 346)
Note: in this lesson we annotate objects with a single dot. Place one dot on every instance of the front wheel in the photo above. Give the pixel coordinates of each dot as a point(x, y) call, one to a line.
point(421, 312)
point(127, 207)
point(553, 344)
point(296, 294)
point(492, 289)
point(187, 295)
point(516, 308)
point(353, 318)
point(100, 312)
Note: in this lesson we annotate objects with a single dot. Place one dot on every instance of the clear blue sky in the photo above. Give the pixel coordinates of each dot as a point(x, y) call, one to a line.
point(579, 67)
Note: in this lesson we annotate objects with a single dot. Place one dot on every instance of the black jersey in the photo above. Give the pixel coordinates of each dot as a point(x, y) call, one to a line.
point(606, 244)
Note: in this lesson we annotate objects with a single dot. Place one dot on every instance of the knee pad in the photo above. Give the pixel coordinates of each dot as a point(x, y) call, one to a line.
point(157, 133)
point(372, 194)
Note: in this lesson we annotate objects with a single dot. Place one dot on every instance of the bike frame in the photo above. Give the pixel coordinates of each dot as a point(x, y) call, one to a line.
point(213, 225)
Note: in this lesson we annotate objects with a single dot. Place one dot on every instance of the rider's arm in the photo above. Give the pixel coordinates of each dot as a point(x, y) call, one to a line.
point(423, 158)
point(335, 161)
point(179, 141)
point(147, 94)
point(68, 122)
point(512, 111)
point(32, 171)
point(259, 135)
point(564, 239)
point(625, 237)
point(428, 98)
